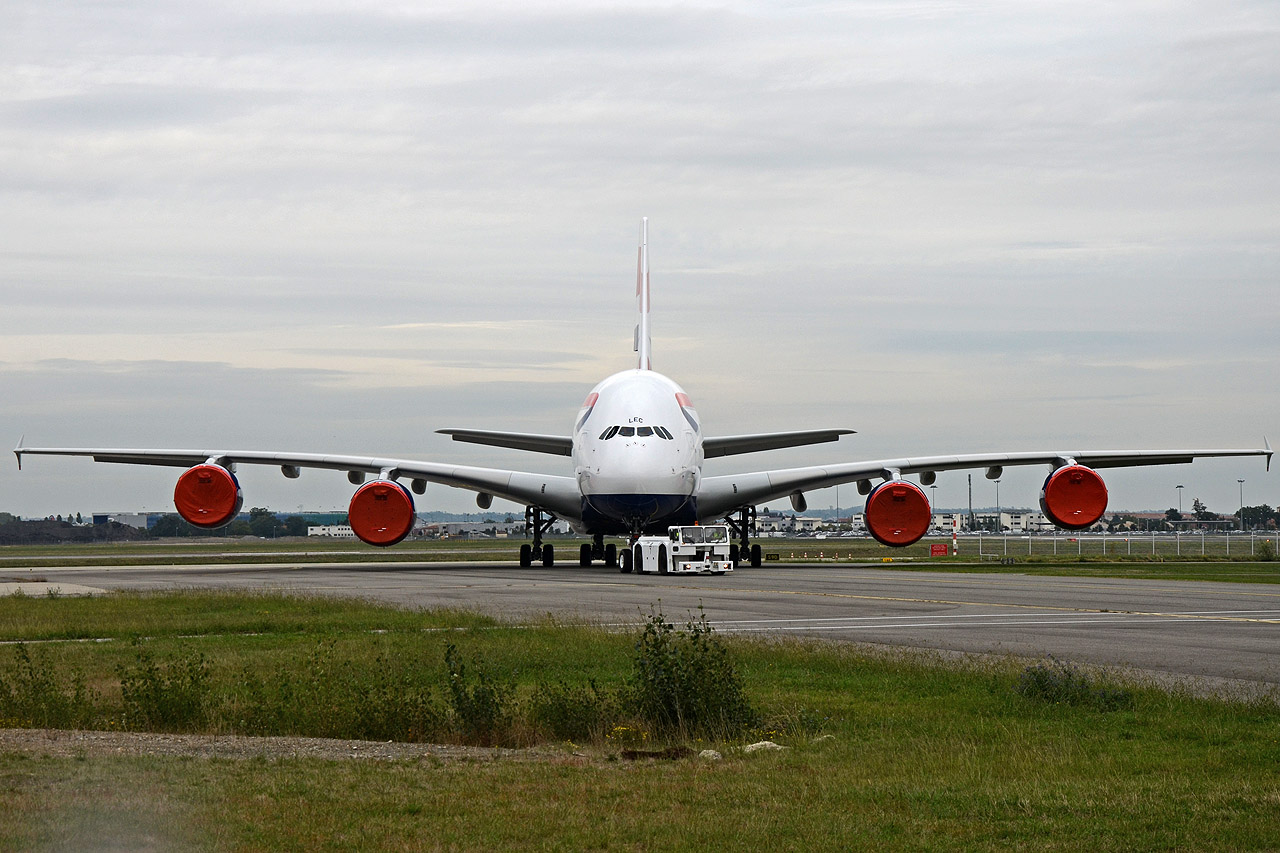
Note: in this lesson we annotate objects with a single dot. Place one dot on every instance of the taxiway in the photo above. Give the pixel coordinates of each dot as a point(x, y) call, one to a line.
point(1216, 632)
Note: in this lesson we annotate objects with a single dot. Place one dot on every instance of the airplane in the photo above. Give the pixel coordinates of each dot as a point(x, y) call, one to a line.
point(637, 450)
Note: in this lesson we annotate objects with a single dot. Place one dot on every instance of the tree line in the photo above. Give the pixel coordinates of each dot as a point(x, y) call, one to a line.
point(262, 523)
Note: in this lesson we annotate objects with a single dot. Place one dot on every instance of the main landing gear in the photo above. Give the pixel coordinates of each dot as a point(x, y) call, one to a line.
point(597, 550)
point(536, 523)
point(742, 524)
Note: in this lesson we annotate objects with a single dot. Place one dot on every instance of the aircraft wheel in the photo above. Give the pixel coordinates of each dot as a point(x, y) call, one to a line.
point(584, 555)
point(625, 567)
point(526, 556)
point(662, 560)
point(548, 556)
point(611, 555)
point(755, 556)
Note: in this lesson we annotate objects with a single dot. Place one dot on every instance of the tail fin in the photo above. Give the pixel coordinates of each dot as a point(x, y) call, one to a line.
point(643, 343)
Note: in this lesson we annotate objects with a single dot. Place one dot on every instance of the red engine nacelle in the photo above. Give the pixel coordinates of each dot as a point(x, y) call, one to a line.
point(381, 512)
point(1073, 497)
point(208, 496)
point(897, 513)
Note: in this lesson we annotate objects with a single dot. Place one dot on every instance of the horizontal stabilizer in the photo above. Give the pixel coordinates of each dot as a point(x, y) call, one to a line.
point(732, 445)
point(557, 445)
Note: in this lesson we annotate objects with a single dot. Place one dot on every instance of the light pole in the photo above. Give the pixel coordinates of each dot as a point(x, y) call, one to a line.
point(1179, 487)
point(1241, 482)
point(999, 525)
point(934, 505)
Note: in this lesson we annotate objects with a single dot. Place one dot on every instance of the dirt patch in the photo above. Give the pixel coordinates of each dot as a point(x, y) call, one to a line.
point(71, 744)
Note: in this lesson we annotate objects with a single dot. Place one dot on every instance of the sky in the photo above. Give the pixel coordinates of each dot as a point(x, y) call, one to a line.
point(337, 227)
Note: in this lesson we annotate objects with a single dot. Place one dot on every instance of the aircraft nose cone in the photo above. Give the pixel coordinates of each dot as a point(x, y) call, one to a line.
point(639, 475)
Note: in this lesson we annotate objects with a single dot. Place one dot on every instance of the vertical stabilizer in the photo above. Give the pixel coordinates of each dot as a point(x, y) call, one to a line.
point(643, 343)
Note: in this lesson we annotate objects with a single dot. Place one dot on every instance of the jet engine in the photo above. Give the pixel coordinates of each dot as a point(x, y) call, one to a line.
point(208, 496)
point(897, 513)
point(1073, 497)
point(381, 512)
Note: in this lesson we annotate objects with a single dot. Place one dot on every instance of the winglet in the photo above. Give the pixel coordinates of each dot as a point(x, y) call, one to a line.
point(1269, 452)
point(17, 451)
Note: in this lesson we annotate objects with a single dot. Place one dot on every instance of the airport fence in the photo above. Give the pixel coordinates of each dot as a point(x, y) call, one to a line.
point(1261, 545)
point(1217, 544)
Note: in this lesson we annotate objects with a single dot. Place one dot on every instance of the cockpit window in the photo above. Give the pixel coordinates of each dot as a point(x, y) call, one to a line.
point(641, 432)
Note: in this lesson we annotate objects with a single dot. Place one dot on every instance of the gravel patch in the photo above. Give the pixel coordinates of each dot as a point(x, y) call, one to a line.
point(71, 744)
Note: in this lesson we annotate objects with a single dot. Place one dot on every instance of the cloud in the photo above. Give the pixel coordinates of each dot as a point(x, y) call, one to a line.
point(951, 226)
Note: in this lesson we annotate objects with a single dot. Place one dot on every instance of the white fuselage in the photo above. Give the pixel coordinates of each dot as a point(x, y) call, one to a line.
point(637, 454)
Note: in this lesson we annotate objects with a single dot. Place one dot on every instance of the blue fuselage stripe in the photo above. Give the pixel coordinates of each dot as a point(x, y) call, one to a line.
point(626, 514)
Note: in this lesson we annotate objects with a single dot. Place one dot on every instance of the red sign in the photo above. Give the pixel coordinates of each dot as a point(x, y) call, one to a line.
point(937, 550)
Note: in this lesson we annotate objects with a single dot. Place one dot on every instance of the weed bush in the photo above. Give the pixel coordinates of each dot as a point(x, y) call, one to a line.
point(479, 702)
point(33, 696)
point(173, 697)
point(685, 683)
point(330, 696)
point(574, 713)
point(1059, 683)
point(346, 684)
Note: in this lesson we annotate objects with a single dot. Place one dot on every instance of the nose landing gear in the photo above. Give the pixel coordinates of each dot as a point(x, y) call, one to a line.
point(597, 550)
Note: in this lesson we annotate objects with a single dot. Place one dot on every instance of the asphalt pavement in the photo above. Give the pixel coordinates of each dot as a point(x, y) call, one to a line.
point(1216, 633)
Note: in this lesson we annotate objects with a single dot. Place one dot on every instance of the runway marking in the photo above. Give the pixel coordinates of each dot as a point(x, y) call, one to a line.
point(474, 580)
point(992, 620)
point(1202, 615)
point(958, 616)
point(890, 626)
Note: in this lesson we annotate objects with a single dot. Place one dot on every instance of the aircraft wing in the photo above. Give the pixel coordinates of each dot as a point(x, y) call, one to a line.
point(730, 445)
point(558, 495)
point(721, 495)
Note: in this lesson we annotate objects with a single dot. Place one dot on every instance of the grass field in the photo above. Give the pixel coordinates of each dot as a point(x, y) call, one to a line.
point(895, 750)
